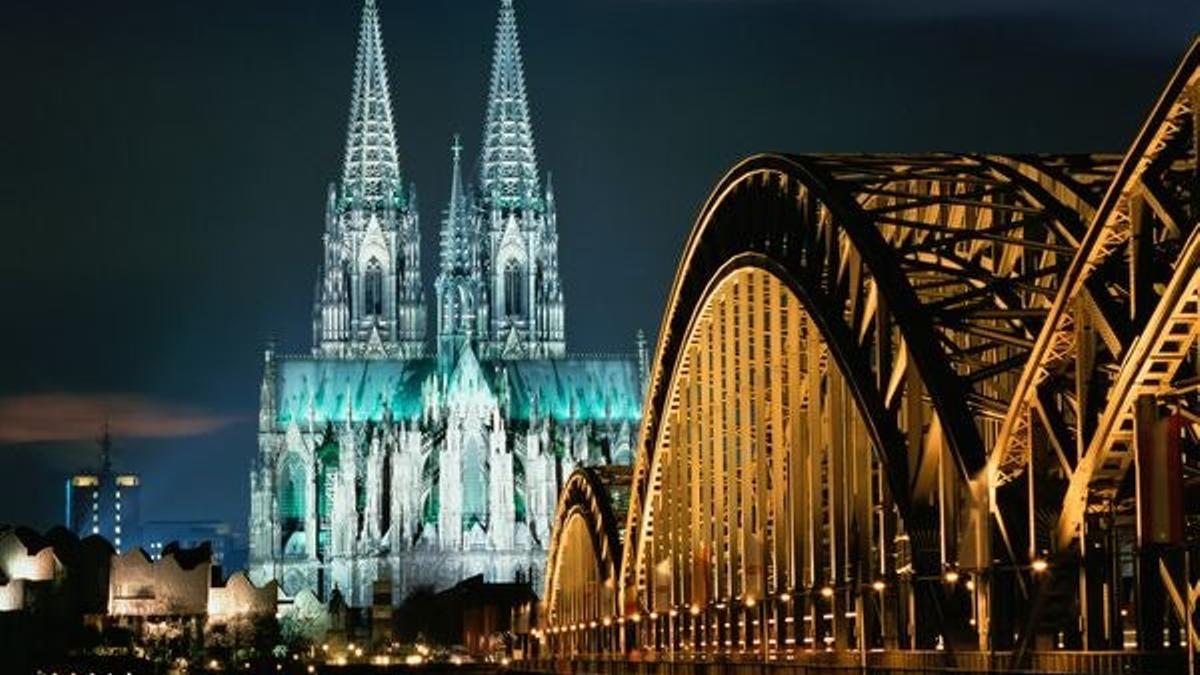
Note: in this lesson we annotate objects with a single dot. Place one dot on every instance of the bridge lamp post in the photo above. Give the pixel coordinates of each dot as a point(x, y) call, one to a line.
point(781, 616)
point(821, 631)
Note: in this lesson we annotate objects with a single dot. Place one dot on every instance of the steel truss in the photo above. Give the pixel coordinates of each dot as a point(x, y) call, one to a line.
point(895, 401)
point(585, 558)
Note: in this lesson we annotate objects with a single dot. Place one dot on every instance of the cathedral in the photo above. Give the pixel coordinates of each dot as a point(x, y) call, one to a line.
point(386, 454)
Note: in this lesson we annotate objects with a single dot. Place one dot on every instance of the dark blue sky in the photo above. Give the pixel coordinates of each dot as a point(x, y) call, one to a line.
point(163, 167)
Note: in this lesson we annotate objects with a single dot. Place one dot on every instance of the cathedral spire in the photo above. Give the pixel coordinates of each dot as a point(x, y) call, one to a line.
point(458, 199)
point(456, 221)
point(458, 278)
point(508, 170)
point(371, 173)
point(371, 303)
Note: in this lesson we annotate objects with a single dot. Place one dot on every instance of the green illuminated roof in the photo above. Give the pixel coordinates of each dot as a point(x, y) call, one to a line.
point(333, 388)
point(575, 388)
point(582, 388)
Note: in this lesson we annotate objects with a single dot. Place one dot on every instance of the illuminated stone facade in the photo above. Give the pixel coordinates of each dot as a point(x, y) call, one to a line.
point(380, 458)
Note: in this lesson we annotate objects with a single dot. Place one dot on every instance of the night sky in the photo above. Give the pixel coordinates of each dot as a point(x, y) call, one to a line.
point(163, 168)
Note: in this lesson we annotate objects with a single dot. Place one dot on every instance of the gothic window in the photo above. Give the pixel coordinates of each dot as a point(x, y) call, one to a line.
point(291, 501)
point(347, 288)
point(373, 289)
point(514, 289)
point(327, 471)
point(399, 277)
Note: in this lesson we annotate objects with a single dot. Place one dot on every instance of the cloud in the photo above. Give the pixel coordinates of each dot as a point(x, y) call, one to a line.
point(32, 418)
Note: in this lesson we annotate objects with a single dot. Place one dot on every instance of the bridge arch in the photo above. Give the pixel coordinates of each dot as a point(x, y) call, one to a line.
point(584, 560)
point(899, 402)
point(921, 280)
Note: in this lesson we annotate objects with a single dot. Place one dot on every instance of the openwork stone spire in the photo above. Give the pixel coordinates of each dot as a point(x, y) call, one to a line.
point(369, 298)
point(459, 283)
point(508, 171)
point(456, 240)
point(371, 175)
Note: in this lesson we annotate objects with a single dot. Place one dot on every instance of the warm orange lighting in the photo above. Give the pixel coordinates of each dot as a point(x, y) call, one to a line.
point(694, 609)
point(827, 592)
point(785, 597)
point(879, 585)
point(951, 576)
point(1039, 565)
point(653, 616)
point(607, 621)
point(635, 617)
point(750, 601)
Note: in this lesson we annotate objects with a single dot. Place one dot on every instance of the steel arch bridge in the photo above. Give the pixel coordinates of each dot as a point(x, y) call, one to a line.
point(585, 557)
point(909, 403)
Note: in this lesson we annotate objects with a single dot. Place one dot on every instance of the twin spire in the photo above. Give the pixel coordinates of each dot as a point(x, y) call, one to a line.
point(498, 283)
point(508, 170)
point(508, 163)
point(371, 173)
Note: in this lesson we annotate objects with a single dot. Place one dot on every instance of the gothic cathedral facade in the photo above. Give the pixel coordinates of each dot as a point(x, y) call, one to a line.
point(384, 454)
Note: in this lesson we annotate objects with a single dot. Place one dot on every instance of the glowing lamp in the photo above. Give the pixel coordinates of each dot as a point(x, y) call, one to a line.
point(827, 591)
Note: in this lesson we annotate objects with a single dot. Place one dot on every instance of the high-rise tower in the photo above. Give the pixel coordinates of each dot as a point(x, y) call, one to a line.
point(369, 300)
point(518, 222)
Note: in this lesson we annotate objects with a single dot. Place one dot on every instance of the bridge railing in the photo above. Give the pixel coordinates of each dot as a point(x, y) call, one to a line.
point(875, 663)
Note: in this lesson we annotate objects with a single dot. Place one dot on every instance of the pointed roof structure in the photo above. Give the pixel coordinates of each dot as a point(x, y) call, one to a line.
point(371, 171)
point(508, 167)
point(456, 223)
